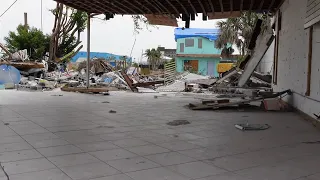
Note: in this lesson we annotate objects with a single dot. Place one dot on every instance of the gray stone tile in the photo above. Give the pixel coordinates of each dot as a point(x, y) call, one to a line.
point(73, 159)
point(158, 139)
point(15, 147)
point(39, 137)
point(14, 119)
point(147, 150)
point(11, 139)
point(196, 170)
point(132, 164)
point(25, 166)
point(97, 146)
point(170, 158)
point(6, 131)
point(89, 171)
point(130, 142)
point(113, 154)
point(115, 136)
point(114, 177)
point(225, 176)
point(59, 150)
point(156, 174)
point(48, 143)
point(83, 139)
point(19, 155)
point(27, 130)
point(166, 131)
point(178, 145)
point(52, 174)
point(186, 136)
point(202, 153)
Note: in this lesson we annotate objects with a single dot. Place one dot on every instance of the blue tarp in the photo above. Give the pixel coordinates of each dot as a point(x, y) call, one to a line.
point(211, 34)
point(9, 74)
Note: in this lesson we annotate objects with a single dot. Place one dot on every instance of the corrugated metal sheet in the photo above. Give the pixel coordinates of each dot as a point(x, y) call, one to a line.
point(313, 13)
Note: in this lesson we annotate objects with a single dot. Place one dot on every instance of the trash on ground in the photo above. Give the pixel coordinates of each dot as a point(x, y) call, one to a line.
point(178, 122)
point(112, 111)
point(252, 127)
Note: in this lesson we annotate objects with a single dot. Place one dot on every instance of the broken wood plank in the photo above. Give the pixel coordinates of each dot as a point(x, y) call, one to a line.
point(85, 90)
point(23, 65)
point(217, 101)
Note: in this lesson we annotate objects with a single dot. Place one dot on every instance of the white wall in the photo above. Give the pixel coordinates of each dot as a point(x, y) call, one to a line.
point(293, 58)
point(266, 64)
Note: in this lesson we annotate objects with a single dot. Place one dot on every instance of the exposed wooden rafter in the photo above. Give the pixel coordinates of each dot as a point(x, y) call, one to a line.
point(202, 7)
point(241, 6)
point(143, 6)
point(211, 7)
point(221, 5)
point(123, 6)
point(231, 6)
point(134, 6)
point(166, 9)
point(271, 4)
point(184, 8)
point(175, 9)
point(147, 1)
point(193, 8)
point(261, 5)
point(251, 5)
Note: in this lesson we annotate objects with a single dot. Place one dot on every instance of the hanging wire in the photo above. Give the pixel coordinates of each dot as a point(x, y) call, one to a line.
point(8, 8)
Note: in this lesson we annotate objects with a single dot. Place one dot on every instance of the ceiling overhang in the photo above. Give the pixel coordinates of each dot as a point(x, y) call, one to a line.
point(224, 8)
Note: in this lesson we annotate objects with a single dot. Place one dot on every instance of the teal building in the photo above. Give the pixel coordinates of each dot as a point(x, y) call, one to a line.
point(196, 51)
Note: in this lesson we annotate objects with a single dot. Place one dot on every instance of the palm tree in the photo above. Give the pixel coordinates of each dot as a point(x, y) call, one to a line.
point(154, 57)
point(239, 30)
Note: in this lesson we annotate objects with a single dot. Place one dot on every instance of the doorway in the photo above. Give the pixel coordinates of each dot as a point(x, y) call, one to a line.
point(191, 66)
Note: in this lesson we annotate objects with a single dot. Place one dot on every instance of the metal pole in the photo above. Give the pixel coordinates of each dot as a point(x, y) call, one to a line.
point(88, 51)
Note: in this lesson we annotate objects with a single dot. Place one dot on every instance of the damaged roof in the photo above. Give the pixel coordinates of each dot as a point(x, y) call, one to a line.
point(211, 34)
point(175, 7)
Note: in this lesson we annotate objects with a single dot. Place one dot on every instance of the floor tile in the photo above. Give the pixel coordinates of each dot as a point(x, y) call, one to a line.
point(132, 164)
point(178, 145)
point(115, 136)
point(97, 146)
point(113, 154)
point(196, 170)
point(59, 150)
point(15, 147)
point(114, 177)
point(48, 143)
point(25, 166)
point(52, 174)
point(11, 139)
point(156, 174)
point(39, 137)
point(225, 176)
point(19, 155)
point(89, 171)
point(147, 150)
point(170, 158)
point(130, 142)
point(73, 159)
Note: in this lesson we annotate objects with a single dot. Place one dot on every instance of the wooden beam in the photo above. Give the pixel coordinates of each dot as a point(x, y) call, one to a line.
point(261, 5)
point(134, 6)
point(163, 7)
point(251, 5)
point(159, 11)
point(184, 9)
point(193, 8)
point(211, 6)
point(202, 7)
point(271, 4)
point(308, 91)
point(123, 7)
point(241, 6)
point(175, 9)
point(143, 6)
point(85, 90)
point(221, 5)
point(231, 6)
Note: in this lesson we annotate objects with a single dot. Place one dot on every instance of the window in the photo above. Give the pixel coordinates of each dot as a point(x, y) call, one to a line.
point(181, 47)
point(200, 43)
point(189, 42)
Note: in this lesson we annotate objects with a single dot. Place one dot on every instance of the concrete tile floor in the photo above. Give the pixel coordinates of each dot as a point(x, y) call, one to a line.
point(74, 137)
